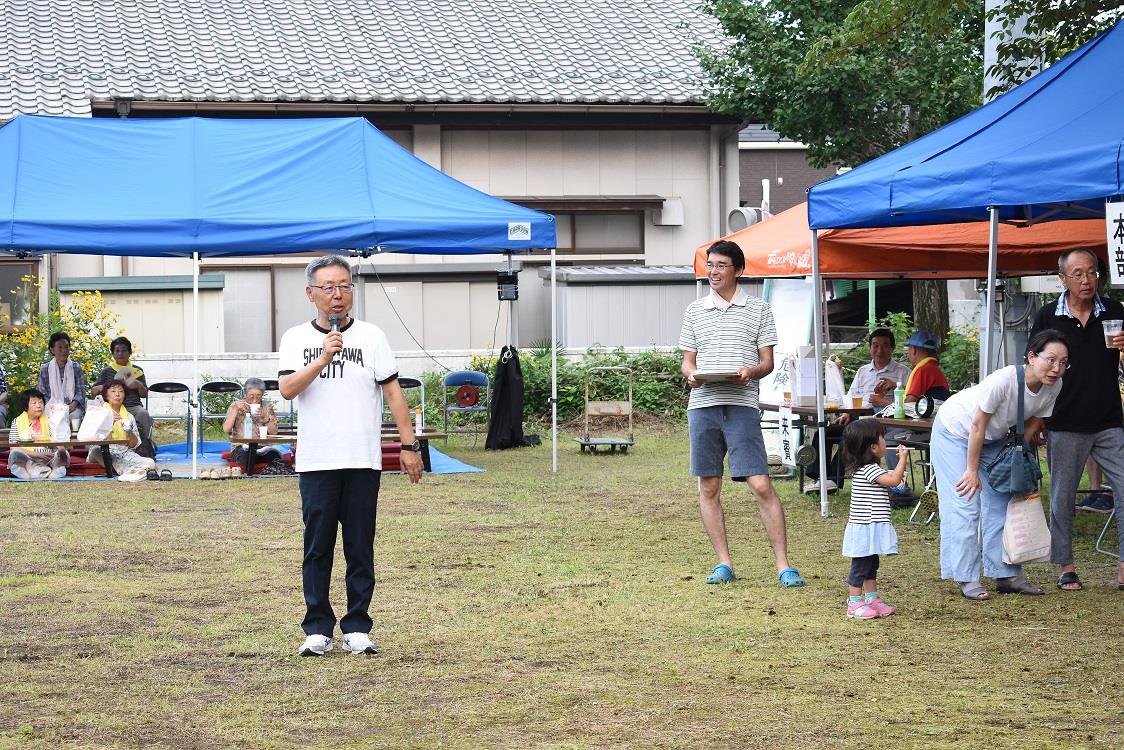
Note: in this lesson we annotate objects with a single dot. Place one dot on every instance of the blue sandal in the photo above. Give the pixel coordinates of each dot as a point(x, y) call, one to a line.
point(722, 573)
point(790, 578)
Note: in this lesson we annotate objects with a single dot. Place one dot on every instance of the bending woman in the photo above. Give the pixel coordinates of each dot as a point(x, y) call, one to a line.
point(968, 433)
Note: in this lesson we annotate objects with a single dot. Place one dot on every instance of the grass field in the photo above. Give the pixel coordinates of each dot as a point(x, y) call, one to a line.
point(516, 609)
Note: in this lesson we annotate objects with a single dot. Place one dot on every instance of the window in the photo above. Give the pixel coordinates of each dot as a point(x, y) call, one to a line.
point(600, 233)
point(17, 295)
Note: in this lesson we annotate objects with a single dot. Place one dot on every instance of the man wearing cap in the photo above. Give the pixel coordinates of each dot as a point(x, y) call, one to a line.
point(927, 373)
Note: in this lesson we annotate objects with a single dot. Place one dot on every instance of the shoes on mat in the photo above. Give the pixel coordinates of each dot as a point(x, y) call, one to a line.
point(359, 643)
point(722, 573)
point(315, 645)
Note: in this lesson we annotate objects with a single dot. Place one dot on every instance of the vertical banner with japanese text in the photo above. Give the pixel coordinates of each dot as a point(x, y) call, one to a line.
point(1114, 226)
point(788, 436)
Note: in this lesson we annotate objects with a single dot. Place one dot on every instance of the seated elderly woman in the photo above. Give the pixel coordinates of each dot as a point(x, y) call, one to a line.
point(261, 415)
point(61, 378)
point(126, 461)
point(31, 427)
point(136, 388)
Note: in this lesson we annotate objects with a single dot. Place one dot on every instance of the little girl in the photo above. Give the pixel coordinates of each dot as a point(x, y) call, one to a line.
point(870, 532)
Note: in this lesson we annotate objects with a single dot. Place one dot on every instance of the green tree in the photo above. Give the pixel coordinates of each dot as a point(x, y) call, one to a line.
point(848, 108)
point(1051, 30)
point(888, 89)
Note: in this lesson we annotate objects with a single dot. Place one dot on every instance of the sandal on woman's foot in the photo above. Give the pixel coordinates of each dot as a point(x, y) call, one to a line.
point(1017, 585)
point(974, 590)
point(1068, 581)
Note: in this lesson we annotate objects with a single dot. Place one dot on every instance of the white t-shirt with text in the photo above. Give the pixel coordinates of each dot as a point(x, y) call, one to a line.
point(340, 413)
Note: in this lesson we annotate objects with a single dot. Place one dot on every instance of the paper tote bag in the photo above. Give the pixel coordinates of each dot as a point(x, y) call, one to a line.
point(1026, 538)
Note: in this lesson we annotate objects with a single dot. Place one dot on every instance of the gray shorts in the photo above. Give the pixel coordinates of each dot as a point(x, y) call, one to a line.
point(718, 430)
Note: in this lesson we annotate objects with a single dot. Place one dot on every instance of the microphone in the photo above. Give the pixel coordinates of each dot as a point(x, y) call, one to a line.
point(334, 322)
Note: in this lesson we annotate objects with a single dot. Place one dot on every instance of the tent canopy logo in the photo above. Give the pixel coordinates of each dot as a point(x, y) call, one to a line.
point(519, 231)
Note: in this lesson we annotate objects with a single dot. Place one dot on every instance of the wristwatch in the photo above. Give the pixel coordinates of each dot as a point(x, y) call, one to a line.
point(413, 447)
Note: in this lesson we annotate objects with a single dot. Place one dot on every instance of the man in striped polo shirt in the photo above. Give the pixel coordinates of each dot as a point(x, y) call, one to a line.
point(730, 332)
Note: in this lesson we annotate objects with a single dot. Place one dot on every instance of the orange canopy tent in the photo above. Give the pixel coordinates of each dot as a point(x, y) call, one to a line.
point(781, 246)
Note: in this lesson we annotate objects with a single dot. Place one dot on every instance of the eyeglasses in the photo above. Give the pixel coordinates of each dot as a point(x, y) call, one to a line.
point(718, 266)
point(1082, 276)
point(330, 289)
point(1053, 362)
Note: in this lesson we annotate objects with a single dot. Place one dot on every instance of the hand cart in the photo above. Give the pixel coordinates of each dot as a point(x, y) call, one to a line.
point(602, 410)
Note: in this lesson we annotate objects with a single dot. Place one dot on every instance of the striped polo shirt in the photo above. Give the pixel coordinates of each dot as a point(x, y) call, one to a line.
point(724, 340)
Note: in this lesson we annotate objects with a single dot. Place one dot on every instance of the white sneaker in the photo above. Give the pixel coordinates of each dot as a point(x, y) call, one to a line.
point(814, 486)
point(57, 473)
point(359, 643)
point(315, 645)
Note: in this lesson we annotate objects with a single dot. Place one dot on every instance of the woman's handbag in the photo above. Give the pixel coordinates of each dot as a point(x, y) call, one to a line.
point(1015, 470)
point(1026, 537)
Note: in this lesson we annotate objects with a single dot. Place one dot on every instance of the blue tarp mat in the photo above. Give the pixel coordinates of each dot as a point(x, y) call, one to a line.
point(1050, 147)
point(210, 453)
point(222, 187)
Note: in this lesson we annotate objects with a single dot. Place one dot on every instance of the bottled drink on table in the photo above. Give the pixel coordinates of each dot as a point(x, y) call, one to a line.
point(899, 401)
point(248, 427)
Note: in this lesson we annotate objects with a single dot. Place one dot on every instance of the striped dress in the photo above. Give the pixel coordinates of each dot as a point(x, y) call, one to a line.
point(869, 528)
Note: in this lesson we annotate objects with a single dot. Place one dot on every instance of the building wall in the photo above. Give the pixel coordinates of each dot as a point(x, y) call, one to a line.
point(788, 173)
point(162, 321)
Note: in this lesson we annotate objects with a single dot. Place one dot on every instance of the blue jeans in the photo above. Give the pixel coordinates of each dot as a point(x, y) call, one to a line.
point(347, 498)
point(961, 519)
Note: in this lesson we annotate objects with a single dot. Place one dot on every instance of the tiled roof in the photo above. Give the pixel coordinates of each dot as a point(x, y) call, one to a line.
point(57, 55)
point(757, 133)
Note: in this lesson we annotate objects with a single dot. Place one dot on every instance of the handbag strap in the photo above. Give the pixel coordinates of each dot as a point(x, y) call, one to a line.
point(1020, 377)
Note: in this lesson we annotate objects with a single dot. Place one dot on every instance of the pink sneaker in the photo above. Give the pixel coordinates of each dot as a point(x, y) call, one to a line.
point(882, 608)
point(862, 611)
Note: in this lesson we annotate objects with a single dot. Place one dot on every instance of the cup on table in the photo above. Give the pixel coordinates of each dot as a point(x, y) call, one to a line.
point(1111, 330)
point(75, 423)
point(787, 398)
point(263, 432)
point(856, 402)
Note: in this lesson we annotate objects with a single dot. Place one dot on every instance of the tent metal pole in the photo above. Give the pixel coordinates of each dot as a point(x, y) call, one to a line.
point(817, 330)
point(512, 311)
point(195, 365)
point(992, 262)
point(553, 361)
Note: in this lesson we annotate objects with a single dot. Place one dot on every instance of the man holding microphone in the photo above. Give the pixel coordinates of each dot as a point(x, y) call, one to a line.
point(340, 369)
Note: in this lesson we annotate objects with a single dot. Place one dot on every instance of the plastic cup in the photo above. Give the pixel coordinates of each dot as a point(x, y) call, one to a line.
point(254, 409)
point(787, 397)
point(263, 432)
point(1111, 330)
point(856, 402)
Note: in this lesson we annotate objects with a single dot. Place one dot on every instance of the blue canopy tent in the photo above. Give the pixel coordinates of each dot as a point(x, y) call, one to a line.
point(197, 187)
point(1048, 149)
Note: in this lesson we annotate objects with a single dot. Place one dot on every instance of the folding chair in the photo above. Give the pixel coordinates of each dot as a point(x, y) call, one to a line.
point(928, 502)
point(219, 387)
point(471, 396)
point(290, 421)
point(171, 388)
point(1104, 532)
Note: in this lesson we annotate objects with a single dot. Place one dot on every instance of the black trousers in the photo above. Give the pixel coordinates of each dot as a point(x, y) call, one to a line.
point(347, 498)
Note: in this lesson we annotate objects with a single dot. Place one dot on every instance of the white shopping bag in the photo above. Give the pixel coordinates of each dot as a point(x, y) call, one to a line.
point(98, 422)
point(833, 378)
point(1026, 538)
point(58, 416)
